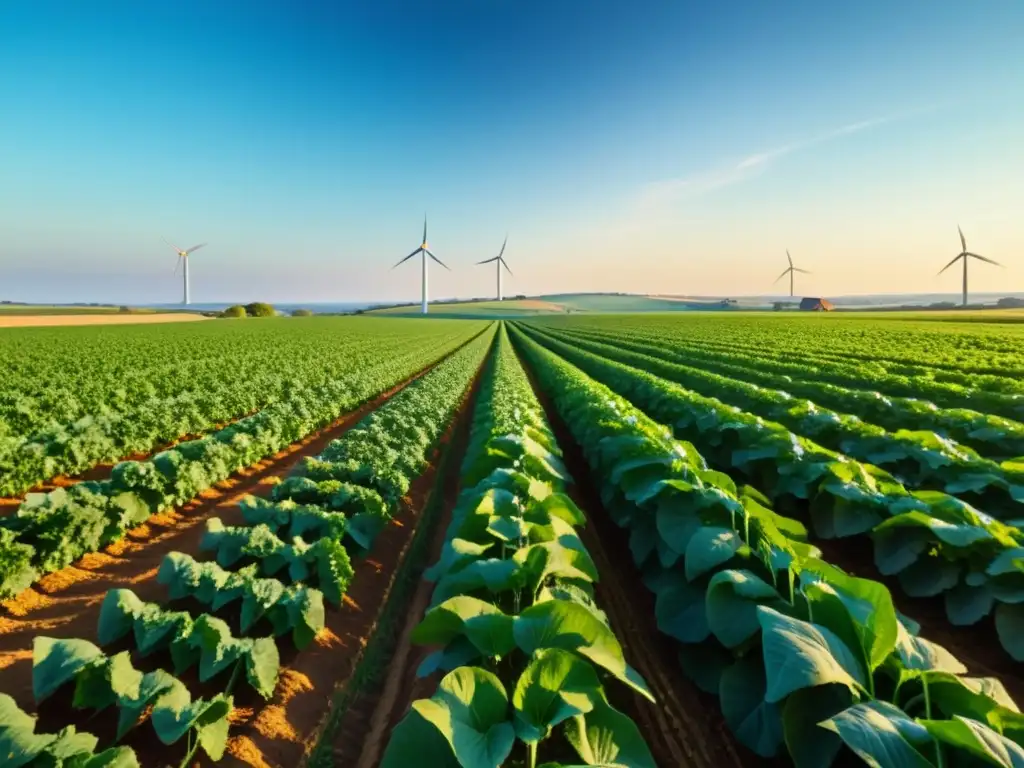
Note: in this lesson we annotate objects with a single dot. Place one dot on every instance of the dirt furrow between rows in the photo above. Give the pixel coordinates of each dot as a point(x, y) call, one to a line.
point(284, 731)
point(363, 729)
point(66, 603)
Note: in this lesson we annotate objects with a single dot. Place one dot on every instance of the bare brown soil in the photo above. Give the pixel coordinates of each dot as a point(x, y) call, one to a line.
point(66, 604)
point(362, 734)
point(685, 726)
point(27, 321)
point(285, 731)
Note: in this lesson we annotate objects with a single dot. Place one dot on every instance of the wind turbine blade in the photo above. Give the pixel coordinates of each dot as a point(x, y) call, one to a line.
point(196, 247)
point(954, 261)
point(505, 266)
point(424, 227)
point(176, 248)
point(963, 242)
point(797, 269)
point(784, 273)
point(408, 257)
point(503, 247)
point(984, 258)
point(437, 260)
point(488, 261)
point(177, 263)
point(789, 257)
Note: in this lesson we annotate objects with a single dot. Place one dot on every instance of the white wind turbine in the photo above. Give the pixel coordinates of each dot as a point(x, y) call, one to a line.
point(789, 271)
point(424, 251)
point(965, 255)
point(499, 263)
point(183, 258)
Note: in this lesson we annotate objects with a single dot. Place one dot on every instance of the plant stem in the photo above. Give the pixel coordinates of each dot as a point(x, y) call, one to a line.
point(191, 751)
point(533, 754)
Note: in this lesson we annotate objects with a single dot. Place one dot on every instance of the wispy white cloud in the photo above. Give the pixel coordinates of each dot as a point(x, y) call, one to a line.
point(656, 195)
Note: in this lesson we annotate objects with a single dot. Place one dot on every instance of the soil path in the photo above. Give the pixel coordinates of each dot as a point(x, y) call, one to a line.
point(284, 731)
point(685, 726)
point(27, 321)
point(66, 603)
point(363, 731)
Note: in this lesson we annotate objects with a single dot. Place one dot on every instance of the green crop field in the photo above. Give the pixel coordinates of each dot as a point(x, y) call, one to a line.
point(534, 533)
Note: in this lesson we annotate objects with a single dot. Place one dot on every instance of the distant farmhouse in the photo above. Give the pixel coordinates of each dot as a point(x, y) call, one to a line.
point(816, 305)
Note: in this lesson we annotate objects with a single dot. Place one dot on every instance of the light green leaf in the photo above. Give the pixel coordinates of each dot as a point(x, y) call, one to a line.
point(978, 740)
point(798, 654)
point(572, 627)
point(555, 685)
point(470, 709)
point(482, 623)
point(880, 734)
point(605, 736)
point(56, 662)
point(709, 548)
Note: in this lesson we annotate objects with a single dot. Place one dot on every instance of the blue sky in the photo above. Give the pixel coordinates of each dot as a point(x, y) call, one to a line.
point(672, 147)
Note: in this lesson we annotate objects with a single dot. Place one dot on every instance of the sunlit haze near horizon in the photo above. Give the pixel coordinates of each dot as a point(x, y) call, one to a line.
point(666, 147)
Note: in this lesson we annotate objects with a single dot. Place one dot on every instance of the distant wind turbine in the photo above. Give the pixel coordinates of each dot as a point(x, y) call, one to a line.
point(183, 259)
point(965, 254)
point(499, 263)
point(424, 251)
point(789, 271)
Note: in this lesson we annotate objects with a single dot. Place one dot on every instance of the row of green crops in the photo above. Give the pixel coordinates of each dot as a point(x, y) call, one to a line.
point(288, 560)
point(525, 649)
point(918, 459)
point(992, 436)
point(934, 543)
point(908, 347)
point(64, 416)
point(767, 357)
point(805, 659)
point(54, 529)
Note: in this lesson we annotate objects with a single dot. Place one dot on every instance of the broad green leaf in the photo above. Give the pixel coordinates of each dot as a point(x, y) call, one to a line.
point(56, 662)
point(20, 745)
point(555, 685)
point(571, 627)
point(808, 744)
point(483, 624)
point(930, 576)
point(978, 740)
point(416, 741)
point(968, 605)
point(605, 736)
point(103, 683)
point(455, 554)
point(130, 708)
point(709, 548)
point(920, 655)
point(732, 600)
point(881, 735)
point(262, 665)
point(470, 709)
point(681, 611)
point(756, 722)
point(492, 575)
point(1010, 628)
point(798, 654)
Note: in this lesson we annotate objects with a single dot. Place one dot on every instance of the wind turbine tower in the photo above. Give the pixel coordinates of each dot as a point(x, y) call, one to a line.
point(965, 255)
point(499, 263)
point(424, 251)
point(183, 260)
point(789, 271)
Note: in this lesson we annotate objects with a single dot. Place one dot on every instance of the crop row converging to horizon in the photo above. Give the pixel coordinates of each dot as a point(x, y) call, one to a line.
point(608, 540)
